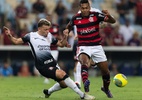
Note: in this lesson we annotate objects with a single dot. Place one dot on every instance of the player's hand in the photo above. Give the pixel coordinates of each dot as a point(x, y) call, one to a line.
point(66, 32)
point(106, 12)
point(68, 45)
point(7, 31)
point(76, 38)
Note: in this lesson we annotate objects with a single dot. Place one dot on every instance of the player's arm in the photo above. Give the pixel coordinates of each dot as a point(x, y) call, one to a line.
point(63, 42)
point(13, 39)
point(68, 29)
point(109, 18)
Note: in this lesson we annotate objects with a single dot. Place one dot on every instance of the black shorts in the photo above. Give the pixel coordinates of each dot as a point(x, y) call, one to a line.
point(49, 71)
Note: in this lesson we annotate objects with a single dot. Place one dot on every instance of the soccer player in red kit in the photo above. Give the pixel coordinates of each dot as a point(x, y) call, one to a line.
point(89, 43)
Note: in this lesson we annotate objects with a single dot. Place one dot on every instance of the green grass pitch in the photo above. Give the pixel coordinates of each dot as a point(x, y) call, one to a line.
point(16, 88)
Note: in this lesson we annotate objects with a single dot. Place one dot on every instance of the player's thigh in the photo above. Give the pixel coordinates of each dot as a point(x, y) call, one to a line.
point(49, 72)
point(60, 74)
point(92, 62)
point(83, 54)
point(84, 59)
point(98, 54)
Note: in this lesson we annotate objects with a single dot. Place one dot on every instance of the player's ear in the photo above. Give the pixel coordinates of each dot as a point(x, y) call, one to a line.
point(39, 28)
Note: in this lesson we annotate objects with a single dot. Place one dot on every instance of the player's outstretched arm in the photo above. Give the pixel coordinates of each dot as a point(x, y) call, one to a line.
point(13, 39)
point(110, 18)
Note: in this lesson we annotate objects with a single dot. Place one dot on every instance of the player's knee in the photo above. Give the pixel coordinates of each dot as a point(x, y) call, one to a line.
point(60, 74)
point(62, 84)
point(105, 71)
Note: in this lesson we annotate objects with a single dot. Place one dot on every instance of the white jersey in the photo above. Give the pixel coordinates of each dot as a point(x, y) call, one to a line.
point(40, 47)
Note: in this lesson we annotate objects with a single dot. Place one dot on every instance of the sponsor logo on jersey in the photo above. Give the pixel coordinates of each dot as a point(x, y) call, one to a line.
point(88, 30)
point(39, 39)
point(78, 18)
point(48, 61)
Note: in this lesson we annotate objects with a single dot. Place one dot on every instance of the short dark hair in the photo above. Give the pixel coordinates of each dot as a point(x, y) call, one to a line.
point(44, 22)
point(83, 1)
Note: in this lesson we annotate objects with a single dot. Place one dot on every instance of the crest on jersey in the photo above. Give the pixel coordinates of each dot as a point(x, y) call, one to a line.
point(54, 29)
point(50, 68)
point(79, 22)
point(91, 19)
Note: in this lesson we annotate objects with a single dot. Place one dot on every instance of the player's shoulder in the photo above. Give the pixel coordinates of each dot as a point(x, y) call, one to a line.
point(32, 33)
point(95, 10)
point(49, 34)
point(76, 15)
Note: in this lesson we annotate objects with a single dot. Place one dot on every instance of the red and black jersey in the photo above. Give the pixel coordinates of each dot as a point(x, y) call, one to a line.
point(54, 30)
point(88, 28)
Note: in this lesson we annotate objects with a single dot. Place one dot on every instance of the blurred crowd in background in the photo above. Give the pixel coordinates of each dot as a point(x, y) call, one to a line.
point(21, 16)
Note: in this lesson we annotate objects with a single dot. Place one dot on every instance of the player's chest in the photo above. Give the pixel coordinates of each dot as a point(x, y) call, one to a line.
point(85, 20)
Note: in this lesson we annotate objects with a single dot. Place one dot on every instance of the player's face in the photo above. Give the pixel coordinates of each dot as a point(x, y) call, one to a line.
point(44, 30)
point(85, 9)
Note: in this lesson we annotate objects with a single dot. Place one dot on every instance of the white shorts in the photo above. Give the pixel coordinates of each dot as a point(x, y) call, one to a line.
point(55, 54)
point(95, 52)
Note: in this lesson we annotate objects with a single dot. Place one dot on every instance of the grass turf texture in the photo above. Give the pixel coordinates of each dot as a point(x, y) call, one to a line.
point(16, 88)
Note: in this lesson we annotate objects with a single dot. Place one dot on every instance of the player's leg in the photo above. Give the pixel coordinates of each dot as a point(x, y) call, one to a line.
point(85, 63)
point(100, 58)
point(77, 74)
point(106, 78)
point(64, 81)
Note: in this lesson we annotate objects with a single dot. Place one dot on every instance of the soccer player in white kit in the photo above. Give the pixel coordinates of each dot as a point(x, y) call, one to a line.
point(40, 42)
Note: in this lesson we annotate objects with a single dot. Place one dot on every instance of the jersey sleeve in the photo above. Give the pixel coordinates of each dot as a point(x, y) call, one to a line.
point(26, 38)
point(54, 40)
point(72, 21)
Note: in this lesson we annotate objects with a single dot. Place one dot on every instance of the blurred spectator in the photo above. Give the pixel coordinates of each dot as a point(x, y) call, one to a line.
point(127, 69)
point(122, 9)
point(23, 32)
point(6, 41)
point(117, 39)
point(60, 9)
point(39, 7)
point(103, 36)
point(107, 33)
point(24, 70)
point(75, 7)
point(114, 69)
point(105, 40)
point(6, 69)
point(21, 10)
point(135, 40)
point(2, 19)
point(34, 24)
point(108, 29)
point(138, 12)
point(1, 37)
point(63, 21)
point(127, 31)
point(131, 4)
